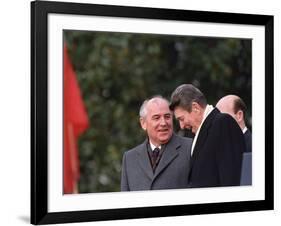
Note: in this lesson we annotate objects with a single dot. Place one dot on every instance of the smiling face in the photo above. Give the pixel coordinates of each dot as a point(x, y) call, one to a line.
point(158, 121)
point(189, 120)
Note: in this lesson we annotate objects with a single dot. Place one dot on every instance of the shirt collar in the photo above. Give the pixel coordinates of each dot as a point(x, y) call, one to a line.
point(245, 129)
point(153, 146)
point(207, 111)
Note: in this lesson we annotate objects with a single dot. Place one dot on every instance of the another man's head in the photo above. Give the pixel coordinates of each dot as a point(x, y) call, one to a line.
point(234, 106)
point(157, 120)
point(188, 104)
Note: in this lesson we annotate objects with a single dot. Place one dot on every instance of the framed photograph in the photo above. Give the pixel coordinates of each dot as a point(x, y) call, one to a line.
point(92, 66)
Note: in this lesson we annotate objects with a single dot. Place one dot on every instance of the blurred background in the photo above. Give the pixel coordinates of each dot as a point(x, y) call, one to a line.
point(116, 72)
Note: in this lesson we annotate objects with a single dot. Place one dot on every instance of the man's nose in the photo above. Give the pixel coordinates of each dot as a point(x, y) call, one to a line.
point(181, 125)
point(163, 121)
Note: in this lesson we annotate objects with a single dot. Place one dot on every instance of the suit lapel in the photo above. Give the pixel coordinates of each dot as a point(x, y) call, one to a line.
point(144, 161)
point(202, 136)
point(170, 153)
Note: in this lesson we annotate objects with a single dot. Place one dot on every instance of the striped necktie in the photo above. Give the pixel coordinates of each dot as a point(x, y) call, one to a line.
point(154, 158)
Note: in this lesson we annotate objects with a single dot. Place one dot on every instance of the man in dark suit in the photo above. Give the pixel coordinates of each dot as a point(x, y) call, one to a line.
point(216, 153)
point(162, 160)
point(235, 106)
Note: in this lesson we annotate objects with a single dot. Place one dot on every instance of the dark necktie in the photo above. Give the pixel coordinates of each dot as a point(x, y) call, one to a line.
point(154, 158)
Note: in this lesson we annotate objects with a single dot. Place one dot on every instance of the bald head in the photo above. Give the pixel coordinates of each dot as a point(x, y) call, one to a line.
point(226, 104)
point(233, 105)
point(156, 100)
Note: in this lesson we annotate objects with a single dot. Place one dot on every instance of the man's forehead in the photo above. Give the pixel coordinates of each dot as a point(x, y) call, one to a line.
point(156, 104)
point(159, 113)
point(179, 112)
point(158, 109)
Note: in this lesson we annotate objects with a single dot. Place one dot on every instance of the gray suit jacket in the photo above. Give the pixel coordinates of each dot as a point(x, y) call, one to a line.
point(171, 172)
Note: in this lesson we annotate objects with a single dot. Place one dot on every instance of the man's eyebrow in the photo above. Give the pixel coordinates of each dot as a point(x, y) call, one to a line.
point(179, 117)
point(158, 115)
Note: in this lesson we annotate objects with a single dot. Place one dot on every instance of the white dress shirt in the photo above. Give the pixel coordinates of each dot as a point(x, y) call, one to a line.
point(153, 146)
point(207, 111)
point(244, 130)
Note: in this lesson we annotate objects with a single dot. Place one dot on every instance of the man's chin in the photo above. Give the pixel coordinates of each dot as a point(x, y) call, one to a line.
point(194, 130)
point(165, 139)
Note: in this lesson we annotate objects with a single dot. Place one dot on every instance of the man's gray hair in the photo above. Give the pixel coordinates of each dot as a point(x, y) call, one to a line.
point(184, 95)
point(143, 108)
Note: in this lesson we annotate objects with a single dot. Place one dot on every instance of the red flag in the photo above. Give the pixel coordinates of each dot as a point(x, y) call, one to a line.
point(75, 122)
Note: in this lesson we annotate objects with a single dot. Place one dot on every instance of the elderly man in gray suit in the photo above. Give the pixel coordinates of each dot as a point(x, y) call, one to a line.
point(162, 160)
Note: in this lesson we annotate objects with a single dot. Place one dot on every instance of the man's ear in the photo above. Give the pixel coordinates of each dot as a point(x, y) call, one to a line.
point(239, 116)
point(143, 123)
point(195, 107)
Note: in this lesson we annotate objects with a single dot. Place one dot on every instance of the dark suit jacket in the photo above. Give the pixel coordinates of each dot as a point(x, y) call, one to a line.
point(248, 140)
point(171, 172)
point(217, 155)
point(246, 174)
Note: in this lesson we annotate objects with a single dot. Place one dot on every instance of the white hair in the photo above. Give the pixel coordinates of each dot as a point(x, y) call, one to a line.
point(143, 108)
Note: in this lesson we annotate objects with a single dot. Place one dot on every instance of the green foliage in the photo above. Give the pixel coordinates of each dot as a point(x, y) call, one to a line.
point(118, 71)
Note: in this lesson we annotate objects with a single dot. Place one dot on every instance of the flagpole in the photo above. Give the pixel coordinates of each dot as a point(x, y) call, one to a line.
point(73, 159)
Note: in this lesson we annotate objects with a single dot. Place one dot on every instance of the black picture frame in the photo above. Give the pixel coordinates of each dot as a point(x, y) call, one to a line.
point(39, 112)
